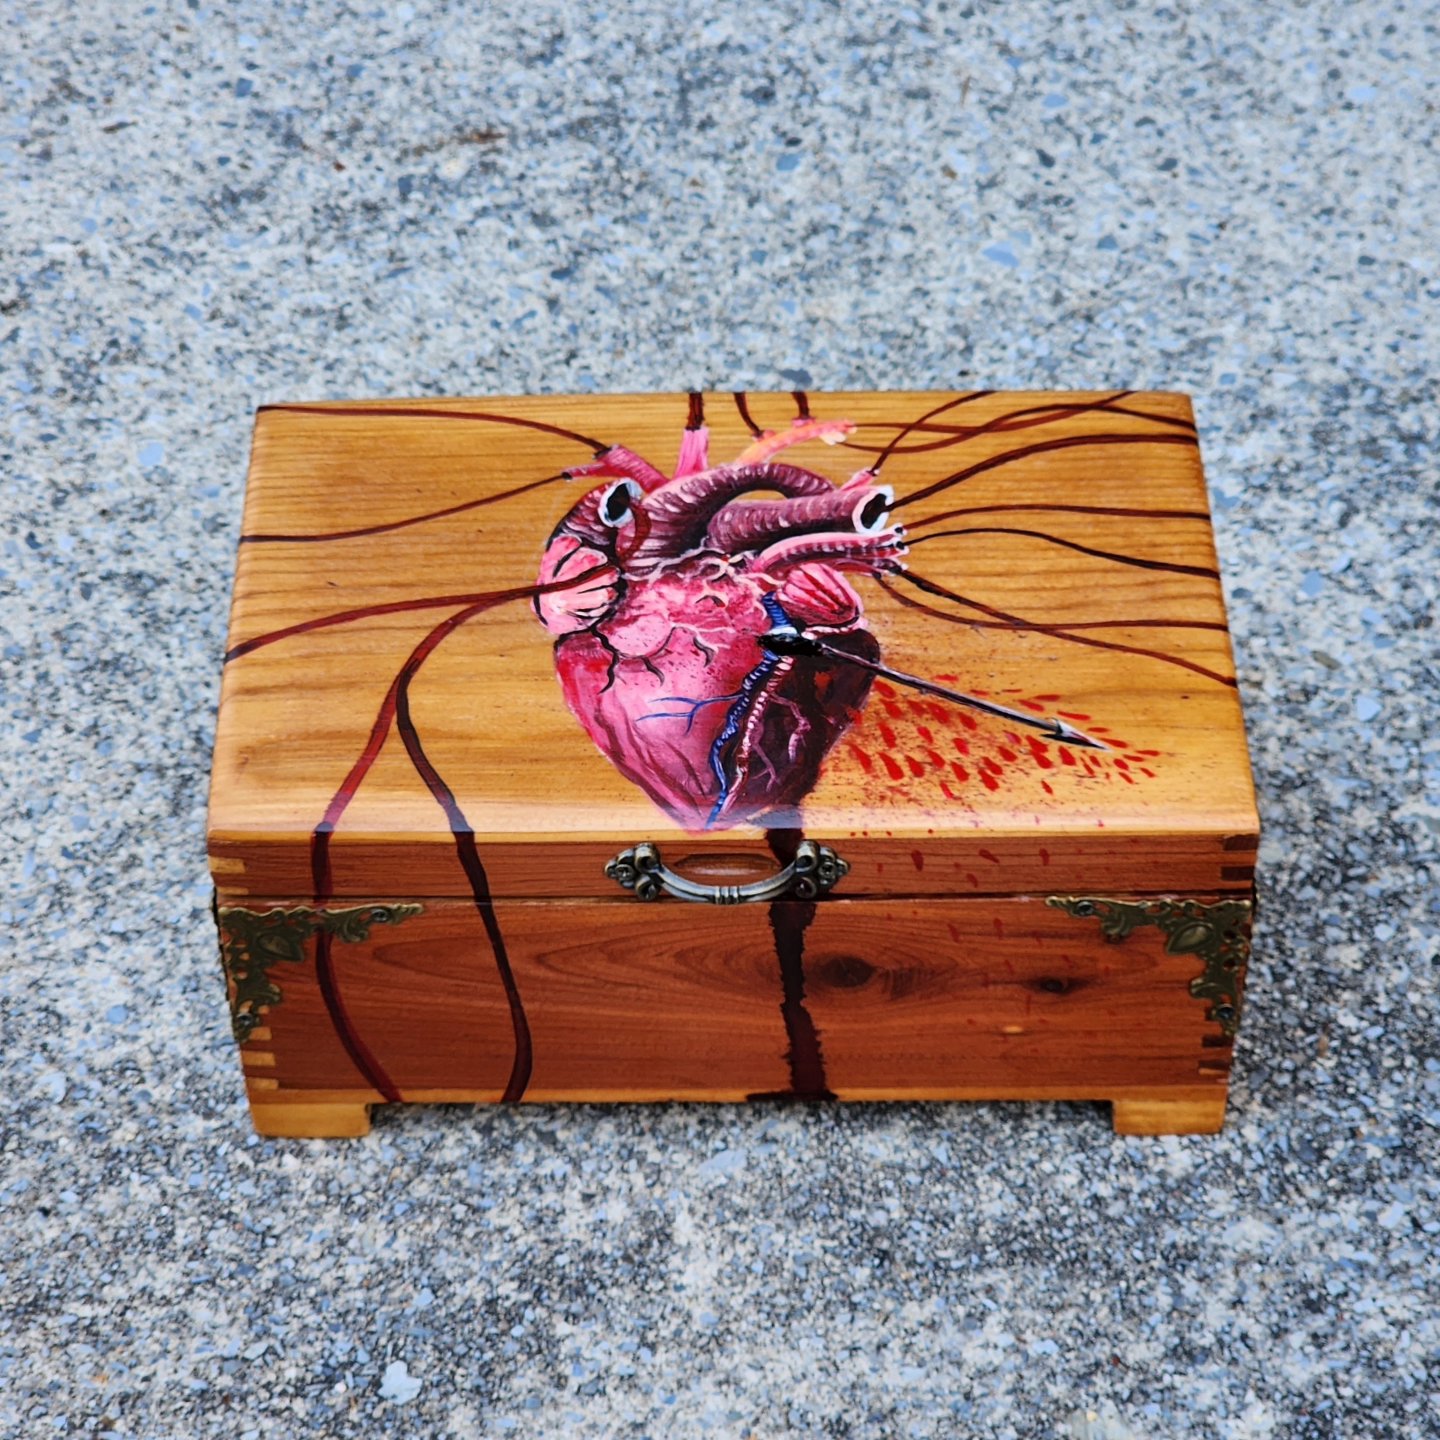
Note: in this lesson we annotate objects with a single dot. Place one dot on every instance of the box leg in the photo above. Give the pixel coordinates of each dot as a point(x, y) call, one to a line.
point(1182, 1114)
point(318, 1121)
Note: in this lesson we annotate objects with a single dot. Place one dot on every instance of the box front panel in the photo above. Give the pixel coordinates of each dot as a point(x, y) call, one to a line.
point(622, 1000)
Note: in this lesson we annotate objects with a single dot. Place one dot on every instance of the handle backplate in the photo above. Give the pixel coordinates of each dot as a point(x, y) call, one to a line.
point(814, 870)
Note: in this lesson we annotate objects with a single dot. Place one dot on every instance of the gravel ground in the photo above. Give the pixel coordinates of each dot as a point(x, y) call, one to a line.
point(210, 207)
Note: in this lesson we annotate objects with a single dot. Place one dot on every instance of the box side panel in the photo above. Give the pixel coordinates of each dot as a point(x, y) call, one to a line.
point(628, 1001)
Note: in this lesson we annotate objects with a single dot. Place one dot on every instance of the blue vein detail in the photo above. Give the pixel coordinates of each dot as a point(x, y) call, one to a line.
point(779, 620)
point(688, 716)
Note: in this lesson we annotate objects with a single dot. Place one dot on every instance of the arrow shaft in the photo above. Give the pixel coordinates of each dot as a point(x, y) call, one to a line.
point(1056, 729)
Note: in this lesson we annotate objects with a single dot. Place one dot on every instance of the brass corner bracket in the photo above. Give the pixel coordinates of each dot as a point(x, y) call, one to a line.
point(1219, 935)
point(251, 941)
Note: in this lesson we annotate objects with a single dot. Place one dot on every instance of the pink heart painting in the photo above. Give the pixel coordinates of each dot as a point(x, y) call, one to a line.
point(711, 645)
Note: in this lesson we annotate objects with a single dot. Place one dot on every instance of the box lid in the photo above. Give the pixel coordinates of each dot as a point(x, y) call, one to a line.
point(976, 643)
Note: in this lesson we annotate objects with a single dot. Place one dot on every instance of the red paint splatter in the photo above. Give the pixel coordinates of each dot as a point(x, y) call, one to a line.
point(989, 855)
point(917, 859)
point(910, 738)
point(1044, 856)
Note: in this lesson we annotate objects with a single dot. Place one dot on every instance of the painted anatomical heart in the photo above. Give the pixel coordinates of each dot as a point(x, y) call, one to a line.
point(711, 645)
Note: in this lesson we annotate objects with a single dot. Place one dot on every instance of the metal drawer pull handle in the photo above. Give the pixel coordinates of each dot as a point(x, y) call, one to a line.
point(814, 870)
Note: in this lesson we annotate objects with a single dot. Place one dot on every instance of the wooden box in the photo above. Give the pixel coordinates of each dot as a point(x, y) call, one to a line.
point(929, 696)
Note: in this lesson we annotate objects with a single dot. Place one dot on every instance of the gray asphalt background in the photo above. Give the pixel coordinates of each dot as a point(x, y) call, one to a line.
point(1240, 201)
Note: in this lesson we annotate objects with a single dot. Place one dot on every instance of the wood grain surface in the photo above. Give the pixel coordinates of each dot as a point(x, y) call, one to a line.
point(1000, 998)
point(1080, 579)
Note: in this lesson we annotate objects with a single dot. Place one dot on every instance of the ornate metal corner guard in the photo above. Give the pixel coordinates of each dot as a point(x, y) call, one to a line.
point(1218, 934)
point(251, 941)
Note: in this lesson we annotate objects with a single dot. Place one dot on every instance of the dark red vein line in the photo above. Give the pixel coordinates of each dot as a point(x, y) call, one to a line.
point(1060, 632)
point(952, 404)
point(402, 524)
point(395, 607)
point(474, 868)
point(1125, 510)
point(1047, 412)
point(1068, 625)
point(1011, 421)
point(321, 876)
point(361, 1056)
point(802, 404)
point(743, 406)
point(1066, 442)
point(425, 412)
point(1174, 567)
point(696, 416)
point(789, 920)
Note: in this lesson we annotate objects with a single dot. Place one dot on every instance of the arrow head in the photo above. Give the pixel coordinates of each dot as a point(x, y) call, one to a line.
point(1071, 736)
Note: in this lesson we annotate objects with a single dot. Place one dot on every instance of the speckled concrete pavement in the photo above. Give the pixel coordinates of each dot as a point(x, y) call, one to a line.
point(210, 207)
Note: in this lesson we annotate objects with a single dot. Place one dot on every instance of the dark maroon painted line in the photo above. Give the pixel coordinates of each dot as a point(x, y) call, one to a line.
point(1060, 632)
point(789, 920)
point(1069, 625)
point(1010, 420)
point(1066, 442)
point(426, 412)
point(743, 406)
point(360, 1054)
point(1174, 567)
point(1014, 420)
point(401, 524)
point(1004, 424)
point(321, 877)
point(802, 404)
point(952, 404)
point(395, 607)
point(1123, 510)
point(696, 418)
point(474, 869)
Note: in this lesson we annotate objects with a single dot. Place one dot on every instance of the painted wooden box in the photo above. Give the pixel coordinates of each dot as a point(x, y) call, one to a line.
point(717, 747)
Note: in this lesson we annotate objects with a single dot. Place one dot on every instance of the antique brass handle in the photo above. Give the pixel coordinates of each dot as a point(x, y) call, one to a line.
point(814, 870)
